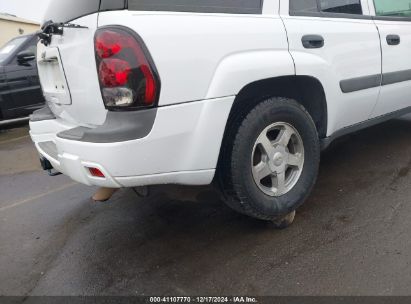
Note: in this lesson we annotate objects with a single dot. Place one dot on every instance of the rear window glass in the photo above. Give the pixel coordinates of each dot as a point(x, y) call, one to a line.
point(200, 6)
point(67, 10)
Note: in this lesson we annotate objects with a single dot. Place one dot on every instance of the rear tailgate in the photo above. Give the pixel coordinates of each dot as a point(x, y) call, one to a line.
point(52, 76)
point(68, 75)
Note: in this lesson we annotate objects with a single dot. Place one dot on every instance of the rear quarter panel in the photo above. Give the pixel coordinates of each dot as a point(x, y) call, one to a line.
point(200, 56)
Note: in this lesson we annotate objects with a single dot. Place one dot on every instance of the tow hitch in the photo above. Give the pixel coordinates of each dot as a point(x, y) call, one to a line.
point(47, 166)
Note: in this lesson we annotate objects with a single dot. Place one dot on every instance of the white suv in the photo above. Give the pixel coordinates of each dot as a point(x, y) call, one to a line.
point(245, 93)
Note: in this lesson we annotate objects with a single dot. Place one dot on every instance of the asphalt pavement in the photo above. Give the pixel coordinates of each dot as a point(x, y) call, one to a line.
point(352, 237)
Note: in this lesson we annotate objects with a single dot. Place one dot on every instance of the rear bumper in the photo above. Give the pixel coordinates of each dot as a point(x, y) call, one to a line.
point(181, 148)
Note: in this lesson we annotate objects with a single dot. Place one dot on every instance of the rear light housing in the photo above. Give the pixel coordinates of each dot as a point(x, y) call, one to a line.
point(127, 74)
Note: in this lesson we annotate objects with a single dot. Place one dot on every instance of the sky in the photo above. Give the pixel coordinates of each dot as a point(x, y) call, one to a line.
point(27, 9)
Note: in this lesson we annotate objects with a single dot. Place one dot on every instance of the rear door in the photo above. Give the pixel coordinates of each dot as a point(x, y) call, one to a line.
point(336, 41)
point(23, 82)
point(393, 19)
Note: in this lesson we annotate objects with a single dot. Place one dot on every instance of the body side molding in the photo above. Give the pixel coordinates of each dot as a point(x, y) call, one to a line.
point(360, 83)
point(372, 81)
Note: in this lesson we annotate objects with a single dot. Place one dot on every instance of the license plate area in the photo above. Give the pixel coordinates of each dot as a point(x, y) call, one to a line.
point(52, 77)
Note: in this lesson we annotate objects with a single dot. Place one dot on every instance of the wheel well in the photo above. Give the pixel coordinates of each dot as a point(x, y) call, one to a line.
point(306, 90)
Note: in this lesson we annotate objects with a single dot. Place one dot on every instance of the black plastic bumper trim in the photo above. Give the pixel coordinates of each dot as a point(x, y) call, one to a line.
point(118, 127)
point(42, 114)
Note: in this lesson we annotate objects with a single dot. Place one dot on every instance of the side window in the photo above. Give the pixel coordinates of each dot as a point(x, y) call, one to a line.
point(303, 6)
point(326, 6)
point(29, 47)
point(400, 8)
point(341, 6)
point(32, 47)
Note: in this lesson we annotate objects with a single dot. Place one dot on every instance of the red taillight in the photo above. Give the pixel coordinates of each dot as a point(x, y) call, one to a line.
point(96, 172)
point(126, 72)
point(114, 72)
point(107, 44)
point(150, 92)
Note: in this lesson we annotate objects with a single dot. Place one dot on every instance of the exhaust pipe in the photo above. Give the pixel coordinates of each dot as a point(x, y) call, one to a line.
point(103, 194)
point(47, 166)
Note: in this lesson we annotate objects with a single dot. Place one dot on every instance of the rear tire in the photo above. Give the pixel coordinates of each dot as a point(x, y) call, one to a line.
point(269, 180)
